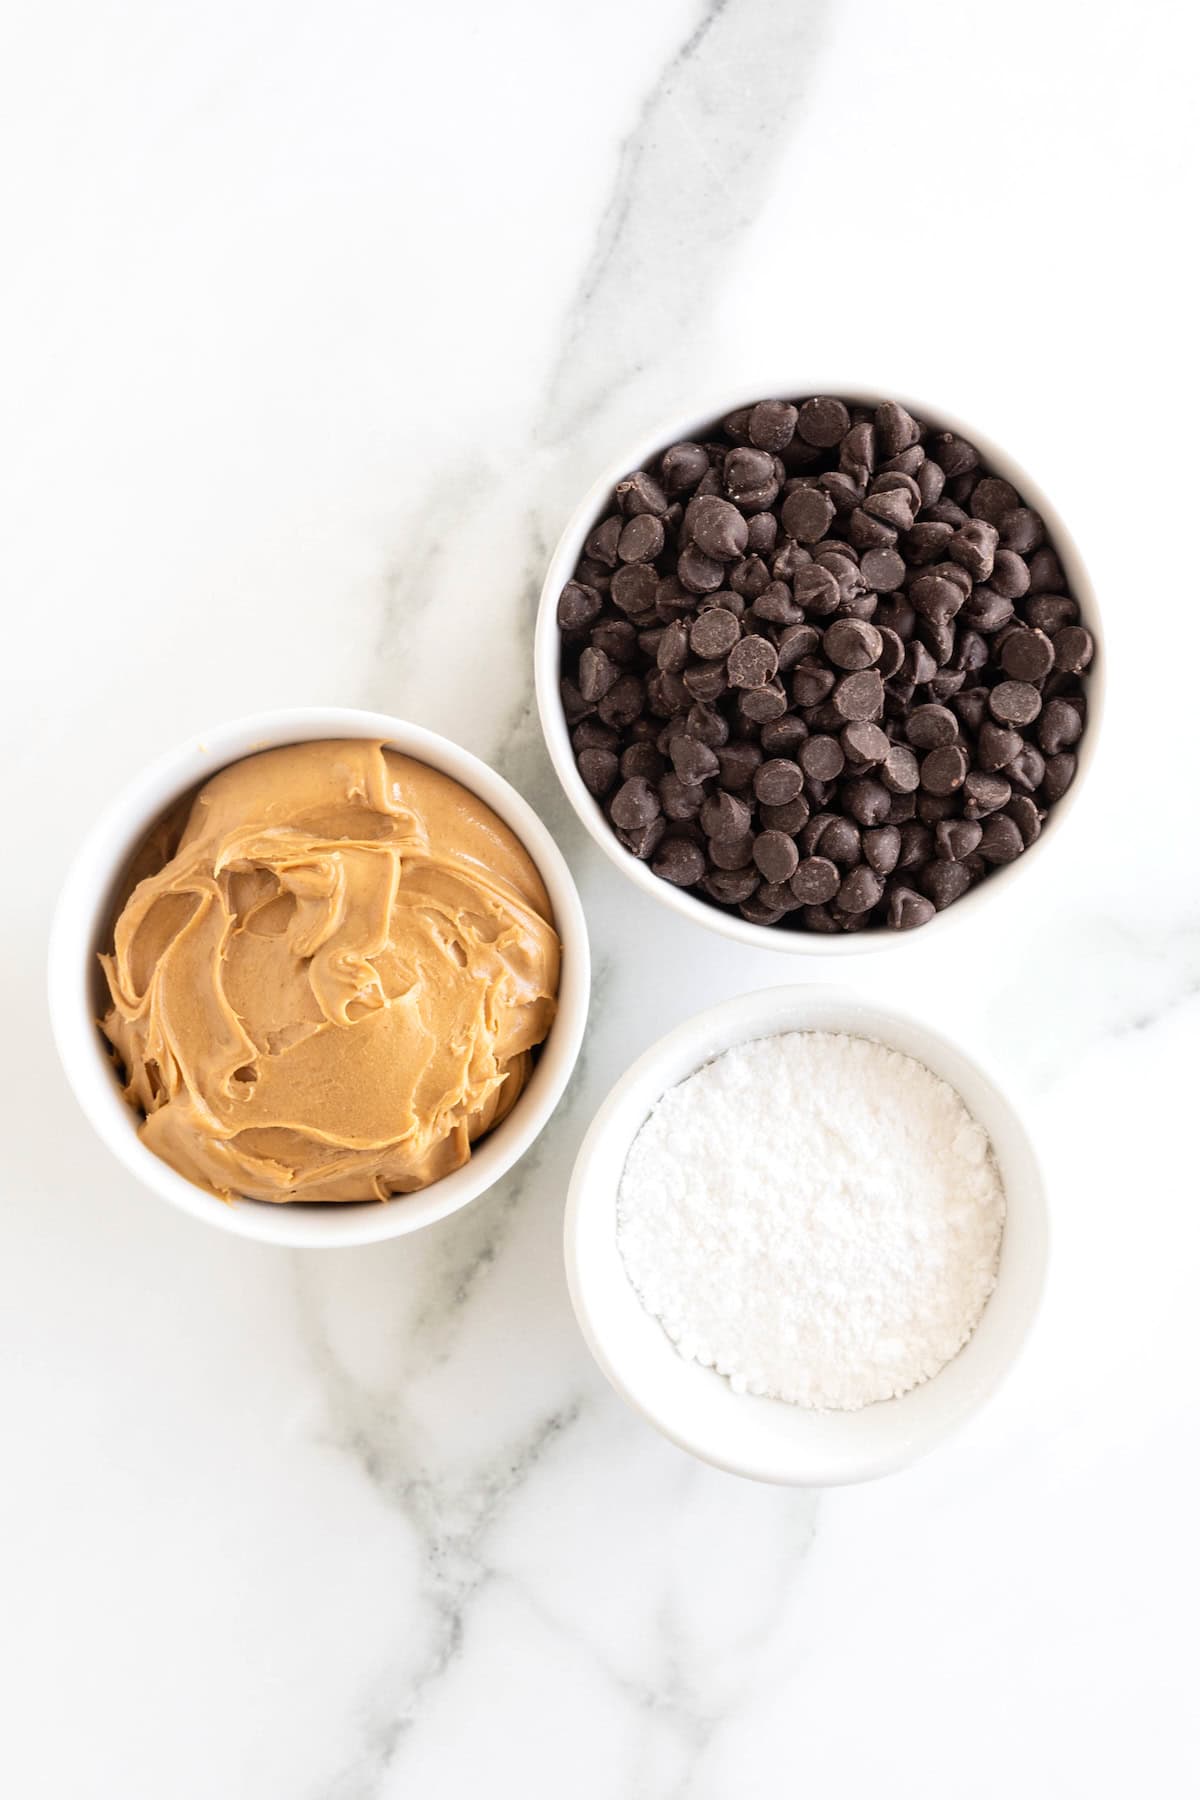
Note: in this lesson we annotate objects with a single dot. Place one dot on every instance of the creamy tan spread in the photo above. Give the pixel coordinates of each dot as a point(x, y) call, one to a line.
point(332, 980)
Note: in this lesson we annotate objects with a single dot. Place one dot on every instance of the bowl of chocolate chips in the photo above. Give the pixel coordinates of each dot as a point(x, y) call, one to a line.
point(816, 670)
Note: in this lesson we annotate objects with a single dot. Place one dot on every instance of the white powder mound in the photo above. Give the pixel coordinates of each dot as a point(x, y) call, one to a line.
point(816, 1217)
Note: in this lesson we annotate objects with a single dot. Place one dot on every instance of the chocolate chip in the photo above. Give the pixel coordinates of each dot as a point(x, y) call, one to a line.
point(1026, 817)
point(894, 506)
point(1010, 575)
point(752, 662)
point(816, 590)
point(791, 817)
point(778, 896)
point(823, 422)
point(881, 847)
point(864, 744)
point(900, 772)
point(644, 840)
point(700, 574)
point(815, 880)
point(992, 498)
point(635, 588)
point(837, 838)
point(895, 428)
point(822, 757)
point(1059, 727)
point(778, 781)
point(1001, 840)
point(852, 644)
point(732, 853)
point(723, 815)
point(762, 530)
point(884, 570)
point(716, 527)
point(955, 455)
point(1027, 655)
point(642, 539)
point(931, 726)
point(597, 673)
point(1060, 773)
point(935, 595)
point(591, 734)
point(1021, 529)
point(714, 632)
point(1045, 572)
point(860, 890)
point(640, 493)
point(578, 605)
point(679, 801)
point(783, 737)
point(974, 546)
point(707, 725)
point(729, 887)
point(859, 696)
point(955, 839)
point(1027, 769)
point(984, 794)
point(642, 759)
point(907, 910)
point(749, 477)
point(736, 765)
point(811, 682)
point(944, 882)
point(599, 770)
point(998, 744)
point(757, 913)
point(867, 801)
point(672, 654)
point(602, 543)
point(944, 770)
point(683, 466)
point(919, 666)
point(775, 855)
point(693, 762)
point(891, 653)
point(1051, 612)
point(776, 605)
point(679, 861)
point(634, 804)
point(806, 514)
point(772, 425)
point(1074, 648)
point(1015, 703)
point(706, 681)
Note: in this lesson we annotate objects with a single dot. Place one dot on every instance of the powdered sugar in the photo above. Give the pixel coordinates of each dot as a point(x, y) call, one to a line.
point(815, 1216)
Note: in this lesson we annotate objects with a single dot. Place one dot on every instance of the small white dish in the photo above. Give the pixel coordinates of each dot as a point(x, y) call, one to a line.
point(593, 507)
point(696, 1408)
point(75, 985)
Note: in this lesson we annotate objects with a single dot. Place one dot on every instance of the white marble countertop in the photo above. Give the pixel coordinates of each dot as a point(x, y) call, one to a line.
point(315, 321)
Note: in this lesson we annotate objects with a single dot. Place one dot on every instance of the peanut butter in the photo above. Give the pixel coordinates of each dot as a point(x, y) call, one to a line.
point(334, 978)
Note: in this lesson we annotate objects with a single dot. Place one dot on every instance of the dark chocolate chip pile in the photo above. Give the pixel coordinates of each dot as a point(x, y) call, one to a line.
point(823, 667)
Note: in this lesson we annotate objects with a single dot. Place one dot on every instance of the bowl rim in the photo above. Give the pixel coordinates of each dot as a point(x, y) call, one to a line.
point(82, 910)
point(762, 1012)
point(557, 737)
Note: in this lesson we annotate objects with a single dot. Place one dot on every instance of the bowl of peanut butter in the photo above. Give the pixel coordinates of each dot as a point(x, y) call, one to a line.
point(319, 977)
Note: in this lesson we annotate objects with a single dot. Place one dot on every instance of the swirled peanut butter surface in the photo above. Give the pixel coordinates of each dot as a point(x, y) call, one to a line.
point(333, 979)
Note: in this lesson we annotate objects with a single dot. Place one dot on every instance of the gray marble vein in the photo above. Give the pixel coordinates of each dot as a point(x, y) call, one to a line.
point(690, 178)
point(450, 1511)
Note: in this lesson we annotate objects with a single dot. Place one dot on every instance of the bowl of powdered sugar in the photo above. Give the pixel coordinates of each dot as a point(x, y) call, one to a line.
point(806, 1236)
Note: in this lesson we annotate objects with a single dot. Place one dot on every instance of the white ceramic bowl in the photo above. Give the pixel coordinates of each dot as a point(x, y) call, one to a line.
point(75, 984)
point(696, 1408)
point(596, 503)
